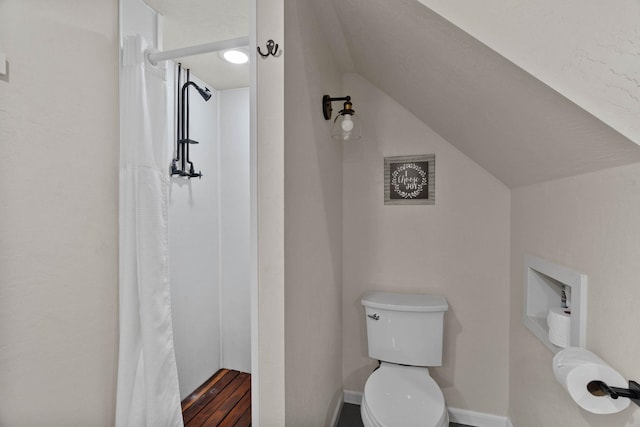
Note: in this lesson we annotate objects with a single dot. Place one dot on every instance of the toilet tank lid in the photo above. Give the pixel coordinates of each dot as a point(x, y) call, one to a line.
point(404, 302)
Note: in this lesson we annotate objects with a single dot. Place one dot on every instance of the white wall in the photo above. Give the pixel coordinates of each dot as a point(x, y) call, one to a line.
point(313, 228)
point(194, 251)
point(59, 213)
point(590, 224)
point(235, 274)
point(458, 248)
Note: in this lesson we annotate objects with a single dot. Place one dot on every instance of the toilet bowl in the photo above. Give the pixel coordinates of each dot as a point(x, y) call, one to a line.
point(402, 396)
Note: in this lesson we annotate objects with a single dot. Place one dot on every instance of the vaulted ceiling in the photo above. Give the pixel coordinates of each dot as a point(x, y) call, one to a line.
point(584, 49)
point(512, 124)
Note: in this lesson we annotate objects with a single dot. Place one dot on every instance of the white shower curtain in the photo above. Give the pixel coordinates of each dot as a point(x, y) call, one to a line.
point(148, 394)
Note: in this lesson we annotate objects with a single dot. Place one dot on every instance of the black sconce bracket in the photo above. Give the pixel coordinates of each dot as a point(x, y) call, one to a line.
point(327, 110)
point(600, 388)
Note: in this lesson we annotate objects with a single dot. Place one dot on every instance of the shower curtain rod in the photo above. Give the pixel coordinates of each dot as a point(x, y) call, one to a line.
point(155, 57)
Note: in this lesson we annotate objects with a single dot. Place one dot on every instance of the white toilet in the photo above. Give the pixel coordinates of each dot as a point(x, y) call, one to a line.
point(404, 332)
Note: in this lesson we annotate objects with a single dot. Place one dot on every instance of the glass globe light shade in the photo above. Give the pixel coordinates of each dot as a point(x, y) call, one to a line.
point(346, 127)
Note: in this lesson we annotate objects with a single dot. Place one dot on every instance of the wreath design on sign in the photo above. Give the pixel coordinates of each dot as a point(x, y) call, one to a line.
point(407, 184)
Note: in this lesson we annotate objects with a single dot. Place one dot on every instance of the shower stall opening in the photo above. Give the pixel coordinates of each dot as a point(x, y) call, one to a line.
point(208, 205)
point(209, 235)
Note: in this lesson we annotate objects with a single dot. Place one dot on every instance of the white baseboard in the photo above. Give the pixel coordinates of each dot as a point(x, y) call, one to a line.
point(353, 397)
point(477, 419)
point(337, 411)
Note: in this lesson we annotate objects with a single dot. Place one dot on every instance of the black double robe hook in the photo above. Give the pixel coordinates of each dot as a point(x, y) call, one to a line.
point(272, 49)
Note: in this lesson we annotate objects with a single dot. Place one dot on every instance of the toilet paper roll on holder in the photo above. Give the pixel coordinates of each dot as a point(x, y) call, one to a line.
point(600, 388)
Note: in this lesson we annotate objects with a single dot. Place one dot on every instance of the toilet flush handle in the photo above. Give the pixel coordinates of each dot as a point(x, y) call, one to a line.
point(374, 316)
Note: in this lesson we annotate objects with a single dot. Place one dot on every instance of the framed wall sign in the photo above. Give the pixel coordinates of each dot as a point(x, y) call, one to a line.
point(410, 180)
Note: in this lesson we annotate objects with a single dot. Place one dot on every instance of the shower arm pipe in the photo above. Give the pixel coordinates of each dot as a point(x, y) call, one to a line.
point(155, 57)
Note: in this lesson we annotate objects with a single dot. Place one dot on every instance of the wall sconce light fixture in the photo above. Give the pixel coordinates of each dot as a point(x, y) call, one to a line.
point(346, 125)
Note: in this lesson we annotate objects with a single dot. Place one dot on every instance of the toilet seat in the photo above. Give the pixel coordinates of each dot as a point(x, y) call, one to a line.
point(403, 396)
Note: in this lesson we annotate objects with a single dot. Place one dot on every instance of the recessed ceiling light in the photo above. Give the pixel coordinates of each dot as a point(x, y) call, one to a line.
point(235, 56)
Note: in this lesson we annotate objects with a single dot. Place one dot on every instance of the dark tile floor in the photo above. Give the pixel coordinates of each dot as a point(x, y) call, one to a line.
point(350, 417)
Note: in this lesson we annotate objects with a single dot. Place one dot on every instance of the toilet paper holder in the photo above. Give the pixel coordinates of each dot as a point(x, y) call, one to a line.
point(600, 388)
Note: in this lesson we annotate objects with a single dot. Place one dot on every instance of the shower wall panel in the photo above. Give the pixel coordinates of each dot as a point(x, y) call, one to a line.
point(194, 251)
point(234, 229)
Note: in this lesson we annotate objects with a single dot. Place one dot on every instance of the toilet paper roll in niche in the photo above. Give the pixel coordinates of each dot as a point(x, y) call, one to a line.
point(559, 324)
point(575, 368)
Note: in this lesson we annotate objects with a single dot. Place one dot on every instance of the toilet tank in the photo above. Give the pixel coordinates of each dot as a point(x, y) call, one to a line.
point(405, 328)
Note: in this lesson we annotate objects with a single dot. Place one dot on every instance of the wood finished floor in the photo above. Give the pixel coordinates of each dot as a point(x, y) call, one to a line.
point(223, 400)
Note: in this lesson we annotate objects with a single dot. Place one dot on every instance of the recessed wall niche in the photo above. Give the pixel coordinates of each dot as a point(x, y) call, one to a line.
point(543, 281)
